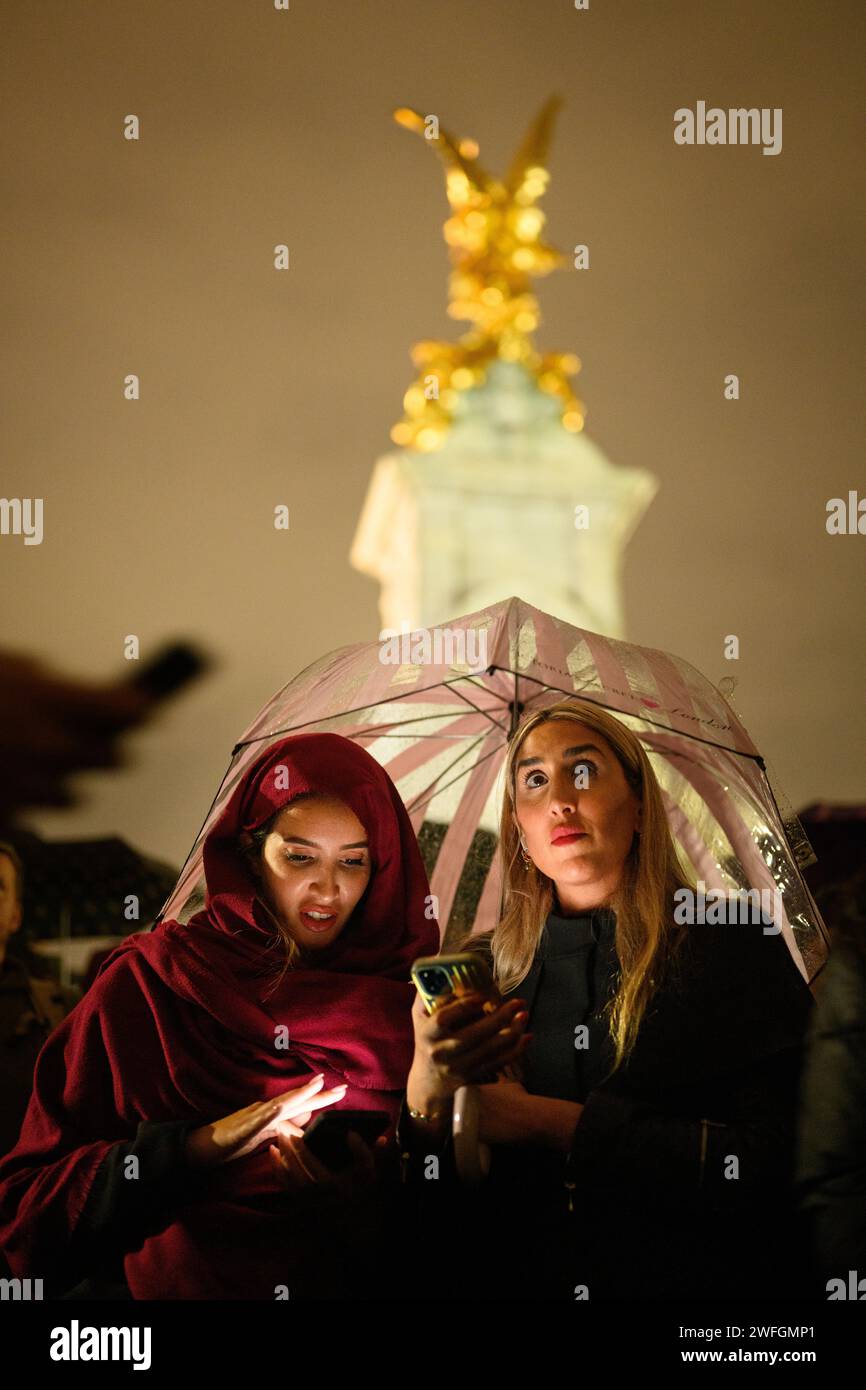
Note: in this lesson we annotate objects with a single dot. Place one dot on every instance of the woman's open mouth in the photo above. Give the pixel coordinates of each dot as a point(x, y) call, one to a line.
point(318, 919)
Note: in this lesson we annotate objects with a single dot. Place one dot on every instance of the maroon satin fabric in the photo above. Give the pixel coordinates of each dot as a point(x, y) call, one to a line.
point(180, 1023)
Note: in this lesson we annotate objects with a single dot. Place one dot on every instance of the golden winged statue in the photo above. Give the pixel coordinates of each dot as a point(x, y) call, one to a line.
point(494, 240)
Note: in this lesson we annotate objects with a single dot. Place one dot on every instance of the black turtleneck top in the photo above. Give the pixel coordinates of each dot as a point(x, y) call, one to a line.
point(570, 982)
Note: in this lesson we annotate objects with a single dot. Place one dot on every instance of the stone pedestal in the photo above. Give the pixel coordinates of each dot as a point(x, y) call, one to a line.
point(494, 512)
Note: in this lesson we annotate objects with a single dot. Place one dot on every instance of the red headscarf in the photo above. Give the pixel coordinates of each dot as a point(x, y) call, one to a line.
point(181, 1023)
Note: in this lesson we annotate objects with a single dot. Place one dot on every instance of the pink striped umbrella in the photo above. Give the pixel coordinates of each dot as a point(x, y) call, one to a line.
point(436, 708)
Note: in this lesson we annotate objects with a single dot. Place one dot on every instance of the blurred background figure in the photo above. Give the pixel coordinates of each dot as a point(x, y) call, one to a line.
point(30, 1004)
point(83, 896)
point(52, 727)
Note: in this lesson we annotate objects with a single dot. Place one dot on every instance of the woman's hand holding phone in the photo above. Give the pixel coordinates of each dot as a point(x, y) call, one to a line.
point(298, 1169)
point(459, 1045)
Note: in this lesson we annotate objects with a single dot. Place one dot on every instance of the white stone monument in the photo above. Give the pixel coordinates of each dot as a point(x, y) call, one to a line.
point(511, 503)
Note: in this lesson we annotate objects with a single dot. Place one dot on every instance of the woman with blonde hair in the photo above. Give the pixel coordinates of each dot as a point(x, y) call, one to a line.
point(641, 1137)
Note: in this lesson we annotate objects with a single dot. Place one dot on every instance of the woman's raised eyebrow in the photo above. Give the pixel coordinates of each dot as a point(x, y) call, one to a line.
point(314, 844)
point(568, 753)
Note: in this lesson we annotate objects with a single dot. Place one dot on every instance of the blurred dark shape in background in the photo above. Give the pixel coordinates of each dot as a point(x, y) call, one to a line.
point(52, 726)
point(79, 894)
point(82, 897)
point(831, 1141)
point(838, 879)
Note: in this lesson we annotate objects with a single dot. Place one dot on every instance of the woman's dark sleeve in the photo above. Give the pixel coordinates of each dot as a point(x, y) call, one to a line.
point(130, 1198)
point(726, 1046)
point(630, 1144)
point(135, 1179)
point(831, 1141)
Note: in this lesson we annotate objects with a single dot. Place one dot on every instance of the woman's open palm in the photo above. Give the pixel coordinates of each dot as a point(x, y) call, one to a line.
point(240, 1133)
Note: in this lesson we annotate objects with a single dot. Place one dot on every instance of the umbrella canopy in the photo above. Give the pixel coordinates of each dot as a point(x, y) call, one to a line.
point(437, 707)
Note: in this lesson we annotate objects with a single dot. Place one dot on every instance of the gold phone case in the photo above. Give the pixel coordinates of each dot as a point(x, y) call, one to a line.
point(458, 974)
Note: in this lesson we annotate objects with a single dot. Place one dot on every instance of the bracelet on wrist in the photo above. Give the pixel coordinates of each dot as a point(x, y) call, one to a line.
point(429, 1118)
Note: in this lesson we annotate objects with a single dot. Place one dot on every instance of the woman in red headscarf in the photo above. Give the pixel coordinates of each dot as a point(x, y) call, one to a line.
point(162, 1153)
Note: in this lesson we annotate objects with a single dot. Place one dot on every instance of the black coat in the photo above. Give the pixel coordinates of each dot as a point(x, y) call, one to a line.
point(831, 1152)
point(642, 1206)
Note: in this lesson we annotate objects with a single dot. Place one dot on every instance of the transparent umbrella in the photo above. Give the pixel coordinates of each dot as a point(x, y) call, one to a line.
point(439, 717)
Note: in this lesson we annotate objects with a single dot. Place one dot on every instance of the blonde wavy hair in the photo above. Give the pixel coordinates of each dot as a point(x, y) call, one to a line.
point(647, 938)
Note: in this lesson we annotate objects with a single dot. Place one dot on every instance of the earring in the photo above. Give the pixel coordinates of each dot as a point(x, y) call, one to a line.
point(527, 862)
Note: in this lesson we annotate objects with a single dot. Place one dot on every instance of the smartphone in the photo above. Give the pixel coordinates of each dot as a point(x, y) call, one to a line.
point(442, 979)
point(326, 1135)
point(173, 667)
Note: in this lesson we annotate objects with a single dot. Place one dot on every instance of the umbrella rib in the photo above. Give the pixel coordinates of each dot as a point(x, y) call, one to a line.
point(373, 730)
point(373, 733)
point(452, 685)
point(292, 728)
point(419, 804)
point(446, 770)
point(665, 728)
point(470, 680)
point(358, 709)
